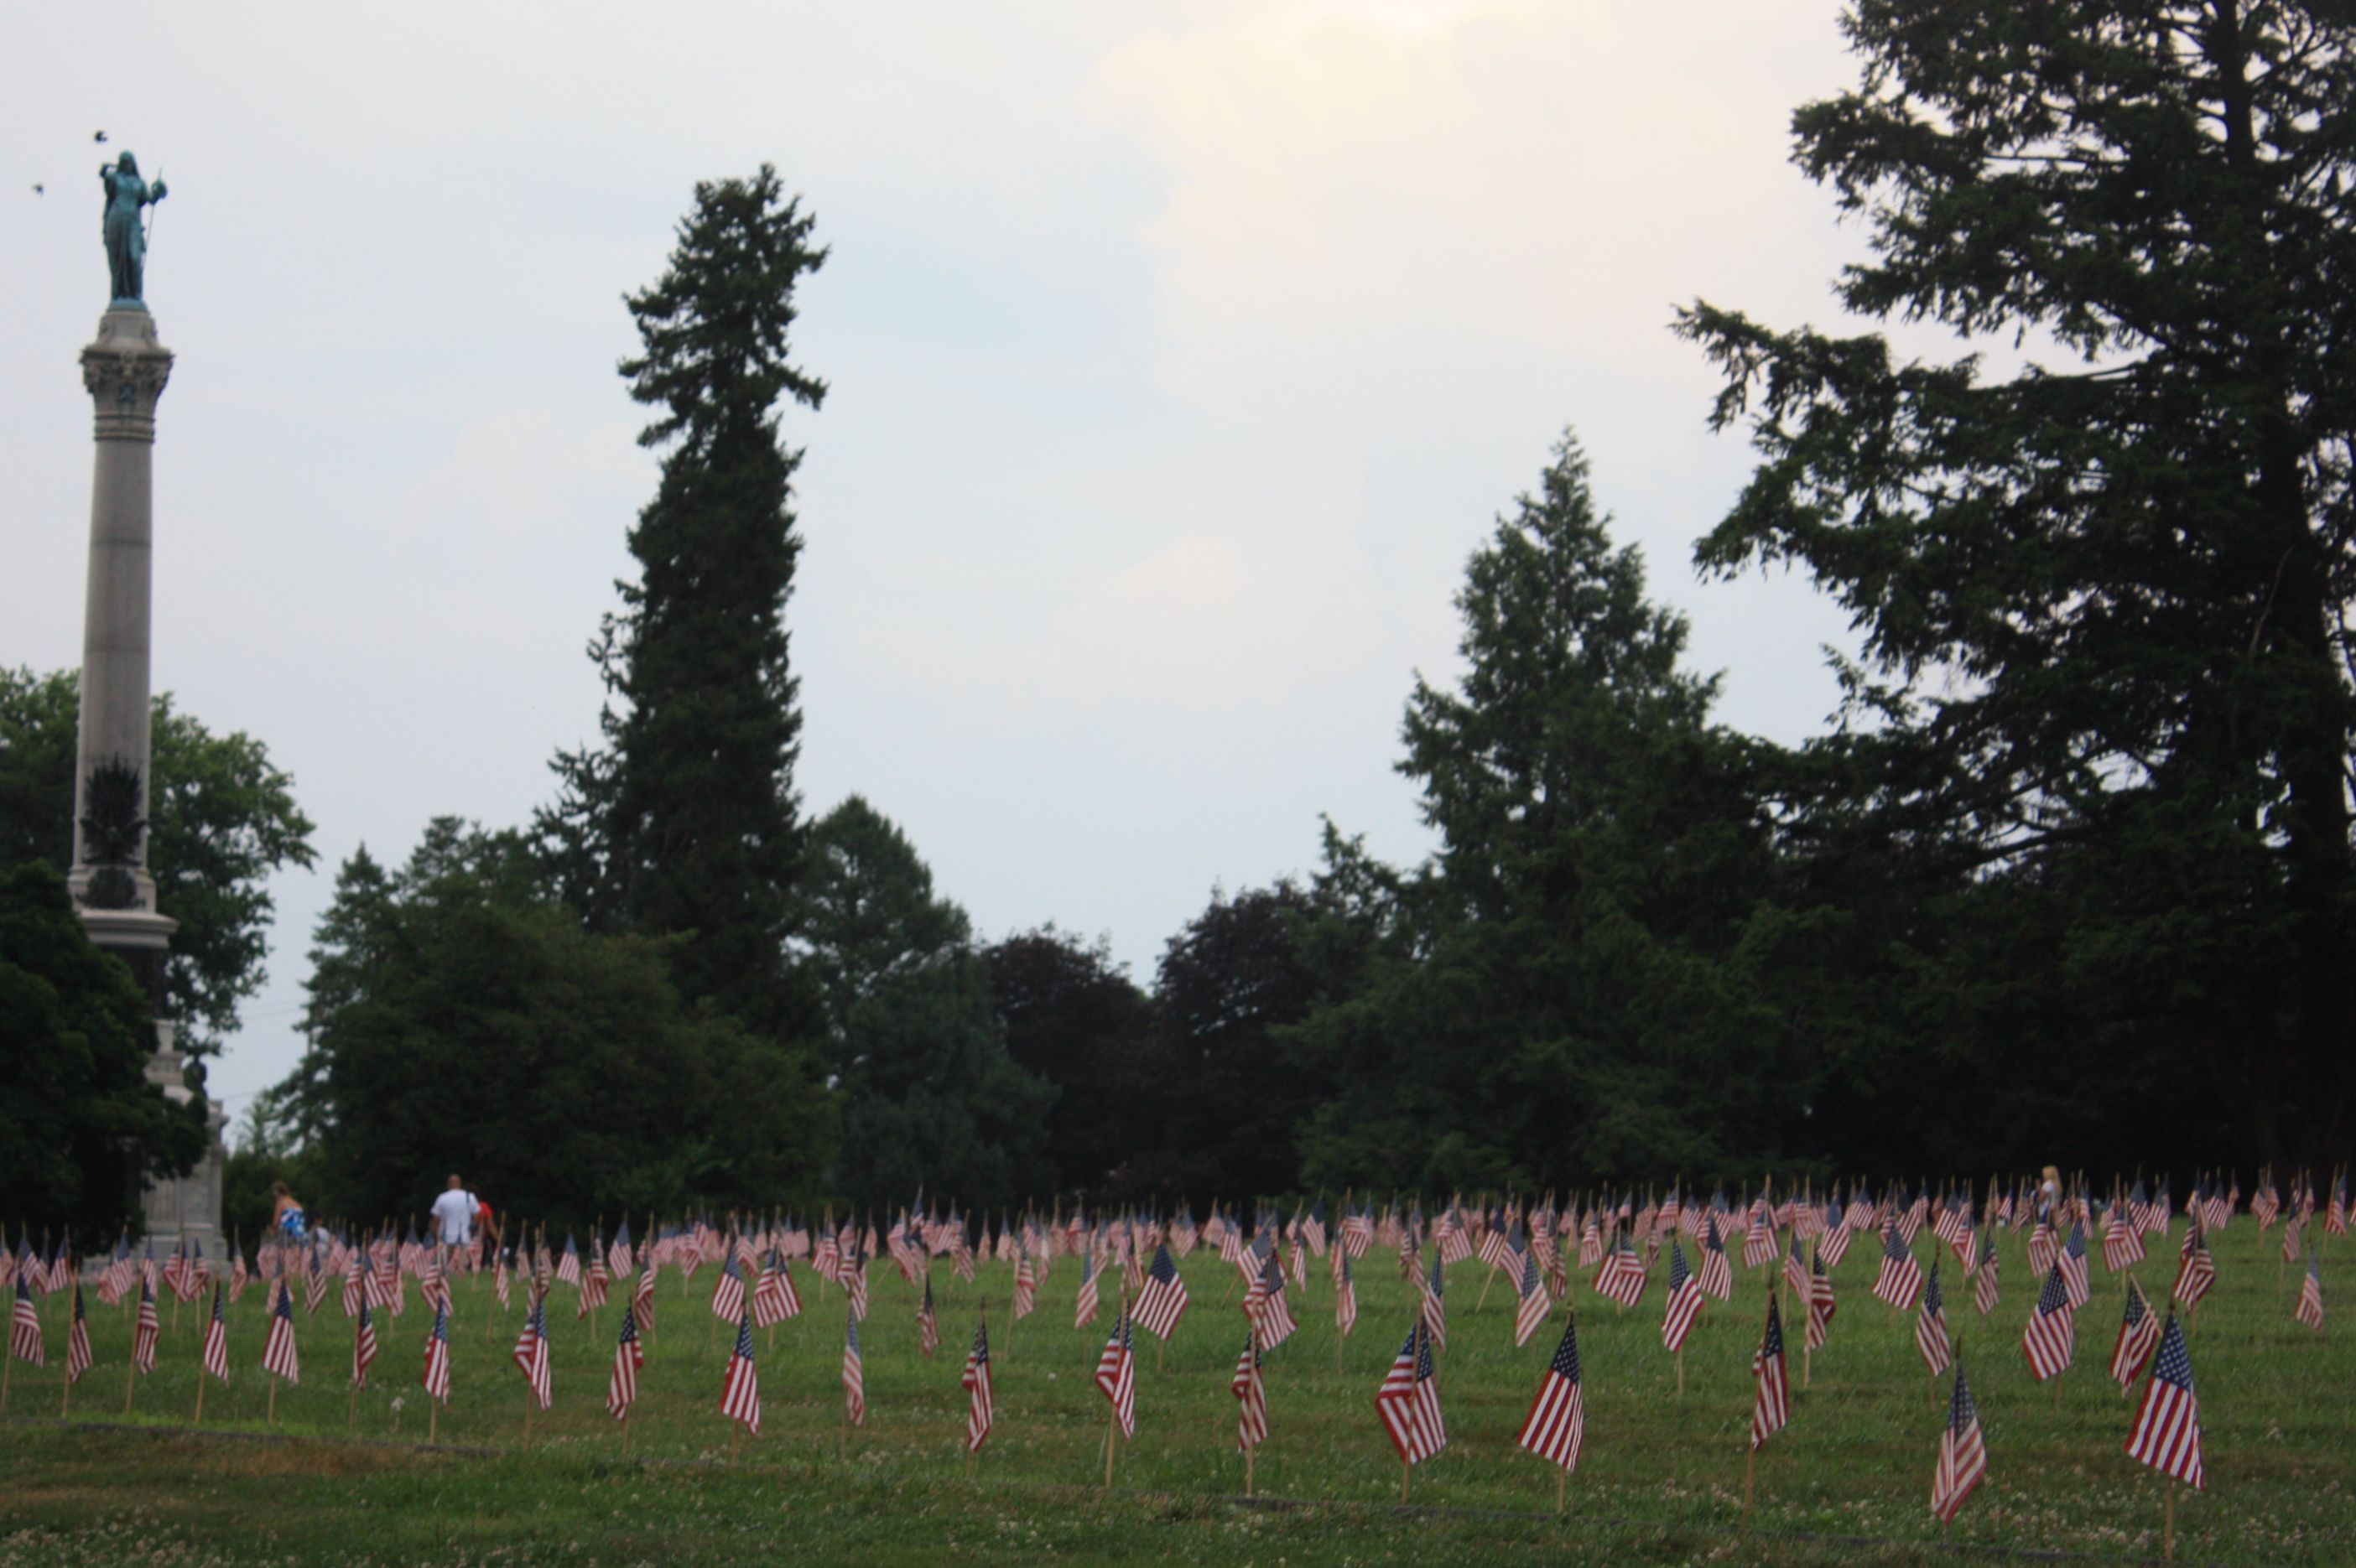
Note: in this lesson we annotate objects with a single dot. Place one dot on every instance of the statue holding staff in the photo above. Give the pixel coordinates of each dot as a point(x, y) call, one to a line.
point(126, 241)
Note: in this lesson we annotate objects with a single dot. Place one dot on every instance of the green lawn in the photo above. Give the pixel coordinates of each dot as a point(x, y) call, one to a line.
point(1662, 1480)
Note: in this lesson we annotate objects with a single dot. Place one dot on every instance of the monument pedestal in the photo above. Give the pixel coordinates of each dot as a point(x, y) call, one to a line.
point(125, 372)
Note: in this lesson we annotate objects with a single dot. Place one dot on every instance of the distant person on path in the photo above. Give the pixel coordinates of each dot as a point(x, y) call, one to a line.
point(285, 1214)
point(454, 1211)
point(487, 1230)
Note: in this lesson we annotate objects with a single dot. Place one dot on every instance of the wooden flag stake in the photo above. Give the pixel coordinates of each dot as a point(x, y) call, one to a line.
point(270, 1412)
point(130, 1382)
point(1749, 1464)
point(200, 1420)
point(2167, 1525)
point(1407, 1473)
point(352, 1417)
point(1681, 1371)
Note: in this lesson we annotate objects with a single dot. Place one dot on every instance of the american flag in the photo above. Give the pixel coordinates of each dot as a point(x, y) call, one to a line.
point(499, 1283)
point(728, 1290)
point(1346, 1293)
point(1433, 1283)
point(567, 1267)
point(2051, 1340)
point(1536, 1302)
point(1795, 1269)
point(278, 1350)
point(1084, 1304)
point(25, 1328)
point(239, 1278)
point(149, 1331)
point(2198, 1270)
point(854, 1374)
point(1251, 1397)
point(531, 1356)
point(1900, 1280)
point(593, 1285)
point(1822, 1305)
point(1771, 1406)
point(852, 1273)
point(1312, 1229)
point(928, 1323)
point(1931, 1326)
point(2308, 1311)
point(2166, 1431)
point(618, 1257)
point(216, 1352)
point(1164, 1297)
point(319, 1278)
point(437, 1357)
point(1408, 1401)
point(1963, 1458)
point(2042, 1245)
point(2138, 1337)
point(740, 1395)
point(2074, 1267)
point(2122, 1242)
point(979, 1413)
point(78, 1339)
point(1557, 1423)
point(774, 1296)
point(363, 1347)
point(629, 1355)
point(1759, 1242)
point(1716, 1275)
point(1984, 1287)
point(1117, 1370)
point(1622, 1278)
point(1026, 1286)
point(1685, 1301)
point(1265, 1305)
point(642, 1301)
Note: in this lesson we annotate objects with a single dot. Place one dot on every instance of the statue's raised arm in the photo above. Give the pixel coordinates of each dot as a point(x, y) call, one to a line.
point(126, 238)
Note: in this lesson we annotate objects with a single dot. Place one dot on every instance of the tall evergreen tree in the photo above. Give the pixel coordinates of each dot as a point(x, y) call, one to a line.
point(2106, 708)
point(686, 822)
point(1571, 988)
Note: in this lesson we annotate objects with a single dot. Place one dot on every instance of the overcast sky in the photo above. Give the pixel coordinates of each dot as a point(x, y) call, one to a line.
point(1180, 354)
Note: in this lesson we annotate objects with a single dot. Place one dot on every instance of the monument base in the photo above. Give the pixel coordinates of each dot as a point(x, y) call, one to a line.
point(186, 1206)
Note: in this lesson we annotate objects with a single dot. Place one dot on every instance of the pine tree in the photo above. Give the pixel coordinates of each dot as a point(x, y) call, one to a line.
point(1571, 989)
point(2106, 600)
point(685, 822)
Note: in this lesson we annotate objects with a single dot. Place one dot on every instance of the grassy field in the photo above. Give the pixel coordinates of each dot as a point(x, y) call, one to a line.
point(1661, 1482)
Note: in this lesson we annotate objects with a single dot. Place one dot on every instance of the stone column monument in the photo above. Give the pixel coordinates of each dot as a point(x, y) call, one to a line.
point(125, 372)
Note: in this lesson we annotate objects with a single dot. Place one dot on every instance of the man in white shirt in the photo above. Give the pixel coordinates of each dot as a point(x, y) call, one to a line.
point(454, 1211)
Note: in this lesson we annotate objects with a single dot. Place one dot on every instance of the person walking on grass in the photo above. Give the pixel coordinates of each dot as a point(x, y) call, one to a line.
point(453, 1213)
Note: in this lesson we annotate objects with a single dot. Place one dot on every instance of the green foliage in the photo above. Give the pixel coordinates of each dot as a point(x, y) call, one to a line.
point(460, 1022)
point(2097, 762)
point(1574, 986)
point(222, 819)
point(80, 1125)
point(1076, 1019)
point(930, 1098)
point(1218, 1106)
point(685, 823)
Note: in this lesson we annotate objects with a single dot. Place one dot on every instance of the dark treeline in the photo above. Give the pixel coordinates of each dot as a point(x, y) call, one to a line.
point(2066, 877)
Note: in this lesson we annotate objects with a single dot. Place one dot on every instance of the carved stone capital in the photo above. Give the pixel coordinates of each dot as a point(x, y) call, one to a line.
point(124, 373)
